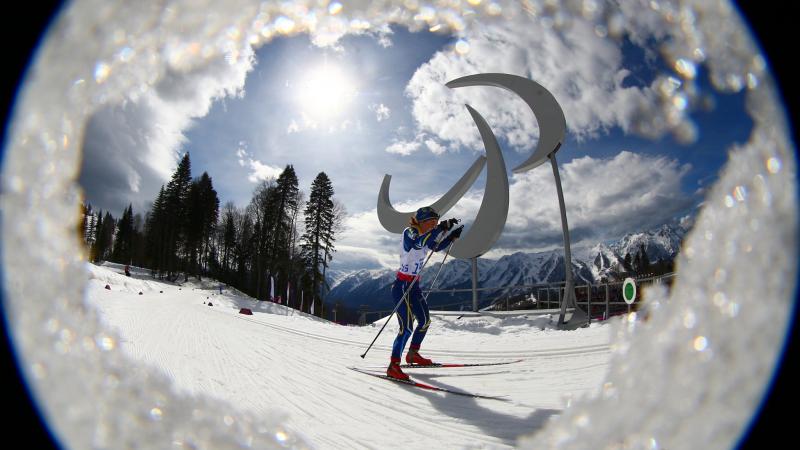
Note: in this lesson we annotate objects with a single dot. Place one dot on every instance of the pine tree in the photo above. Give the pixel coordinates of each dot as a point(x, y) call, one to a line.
point(123, 243)
point(83, 225)
point(286, 196)
point(263, 210)
point(228, 239)
point(105, 237)
point(91, 233)
point(89, 226)
point(95, 250)
point(210, 204)
point(152, 250)
point(155, 240)
point(176, 218)
point(318, 238)
point(202, 210)
point(244, 249)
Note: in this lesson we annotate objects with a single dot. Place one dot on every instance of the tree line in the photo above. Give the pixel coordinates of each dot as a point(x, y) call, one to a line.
point(262, 249)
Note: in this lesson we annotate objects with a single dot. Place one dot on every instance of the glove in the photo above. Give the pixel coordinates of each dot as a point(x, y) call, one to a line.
point(447, 224)
point(456, 233)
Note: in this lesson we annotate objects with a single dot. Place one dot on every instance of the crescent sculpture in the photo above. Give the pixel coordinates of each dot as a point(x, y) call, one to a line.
point(395, 221)
point(549, 115)
point(493, 212)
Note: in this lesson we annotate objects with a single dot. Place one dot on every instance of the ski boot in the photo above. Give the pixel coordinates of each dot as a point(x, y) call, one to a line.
point(393, 371)
point(413, 357)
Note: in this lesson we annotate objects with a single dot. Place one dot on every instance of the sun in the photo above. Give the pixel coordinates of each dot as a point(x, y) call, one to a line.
point(325, 92)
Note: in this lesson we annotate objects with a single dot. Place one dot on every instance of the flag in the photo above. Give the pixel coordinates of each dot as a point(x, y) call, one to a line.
point(287, 292)
point(312, 307)
point(272, 289)
point(301, 300)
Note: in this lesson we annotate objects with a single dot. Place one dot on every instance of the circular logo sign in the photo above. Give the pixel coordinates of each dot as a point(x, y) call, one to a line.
point(629, 290)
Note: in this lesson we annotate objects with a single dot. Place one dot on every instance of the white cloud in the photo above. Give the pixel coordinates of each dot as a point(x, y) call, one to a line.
point(583, 71)
point(363, 231)
point(403, 147)
point(258, 170)
point(604, 198)
point(261, 171)
point(382, 112)
point(435, 147)
point(130, 149)
point(384, 41)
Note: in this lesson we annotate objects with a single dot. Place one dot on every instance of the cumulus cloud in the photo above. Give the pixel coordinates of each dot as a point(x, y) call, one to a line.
point(258, 170)
point(605, 198)
point(435, 147)
point(261, 171)
point(583, 71)
point(382, 112)
point(130, 149)
point(403, 147)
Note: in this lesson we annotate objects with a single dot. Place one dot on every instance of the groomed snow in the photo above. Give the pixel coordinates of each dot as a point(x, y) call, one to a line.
point(280, 360)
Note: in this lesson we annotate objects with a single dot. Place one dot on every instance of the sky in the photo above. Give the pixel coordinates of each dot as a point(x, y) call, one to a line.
point(644, 141)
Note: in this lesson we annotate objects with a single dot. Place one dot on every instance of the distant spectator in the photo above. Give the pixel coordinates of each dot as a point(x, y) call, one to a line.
point(127, 270)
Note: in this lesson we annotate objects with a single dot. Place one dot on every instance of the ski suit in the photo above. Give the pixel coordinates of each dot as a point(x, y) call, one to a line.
point(412, 256)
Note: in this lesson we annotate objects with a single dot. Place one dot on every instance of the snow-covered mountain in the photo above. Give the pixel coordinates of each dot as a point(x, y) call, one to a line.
point(662, 243)
point(589, 265)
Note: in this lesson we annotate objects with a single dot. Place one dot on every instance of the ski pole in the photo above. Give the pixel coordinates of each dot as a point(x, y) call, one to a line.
point(405, 294)
point(440, 269)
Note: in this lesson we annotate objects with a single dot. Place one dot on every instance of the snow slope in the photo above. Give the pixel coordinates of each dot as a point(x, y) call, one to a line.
point(280, 360)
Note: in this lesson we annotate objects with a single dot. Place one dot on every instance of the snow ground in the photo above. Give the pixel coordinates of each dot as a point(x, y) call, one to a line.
point(281, 360)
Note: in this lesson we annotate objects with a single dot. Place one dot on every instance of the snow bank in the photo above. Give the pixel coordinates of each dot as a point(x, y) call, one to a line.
point(117, 280)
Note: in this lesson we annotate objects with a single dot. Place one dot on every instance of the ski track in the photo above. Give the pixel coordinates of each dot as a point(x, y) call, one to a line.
point(277, 361)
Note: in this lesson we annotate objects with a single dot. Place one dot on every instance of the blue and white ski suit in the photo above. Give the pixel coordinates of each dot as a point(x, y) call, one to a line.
point(412, 256)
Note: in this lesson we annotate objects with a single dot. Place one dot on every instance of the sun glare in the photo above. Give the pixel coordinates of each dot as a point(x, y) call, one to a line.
point(325, 92)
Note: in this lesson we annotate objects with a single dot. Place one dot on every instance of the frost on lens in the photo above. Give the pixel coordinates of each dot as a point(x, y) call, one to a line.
point(690, 376)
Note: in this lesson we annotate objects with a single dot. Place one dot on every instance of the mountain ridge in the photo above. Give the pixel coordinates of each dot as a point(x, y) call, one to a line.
point(592, 264)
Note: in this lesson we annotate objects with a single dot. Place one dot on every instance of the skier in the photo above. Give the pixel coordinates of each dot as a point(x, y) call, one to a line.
point(418, 238)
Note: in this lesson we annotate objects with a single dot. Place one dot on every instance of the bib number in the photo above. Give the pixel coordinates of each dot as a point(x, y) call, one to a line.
point(404, 268)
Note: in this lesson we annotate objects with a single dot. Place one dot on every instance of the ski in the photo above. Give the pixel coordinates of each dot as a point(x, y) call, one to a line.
point(448, 365)
point(413, 383)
